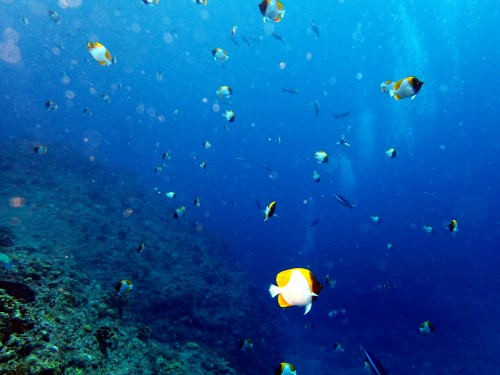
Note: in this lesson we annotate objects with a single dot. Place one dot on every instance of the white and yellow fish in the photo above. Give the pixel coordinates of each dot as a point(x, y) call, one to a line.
point(427, 328)
point(285, 368)
point(404, 88)
point(229, 115)
point(321, 157)
point(224, 92)
point(391, 153)
point(316, 176)
point(179, 212)
point(272, 10)
point(220, 54)
point(296, 287)
point(99, 53)
point(124, 286)
point(269, 211)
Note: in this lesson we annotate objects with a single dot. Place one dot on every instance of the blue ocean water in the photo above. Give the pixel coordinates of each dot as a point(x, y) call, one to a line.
point(162, 98)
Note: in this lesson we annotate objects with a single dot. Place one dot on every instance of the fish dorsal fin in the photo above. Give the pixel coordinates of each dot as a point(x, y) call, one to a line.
point(102, 63)
point(283, 278)
point(282, 302)
point(397, 85)
point(108, 55)
point(279, 4)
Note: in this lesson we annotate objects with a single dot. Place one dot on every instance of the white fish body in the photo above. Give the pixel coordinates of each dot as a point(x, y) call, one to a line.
point(297, 292)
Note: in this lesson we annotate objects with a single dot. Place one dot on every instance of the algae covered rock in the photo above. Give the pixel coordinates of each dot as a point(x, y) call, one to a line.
point(5, 261)
point(18, 290)
point(6, 237)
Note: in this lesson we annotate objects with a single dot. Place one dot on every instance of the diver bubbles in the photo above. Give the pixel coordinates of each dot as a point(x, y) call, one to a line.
point(273, 175)
point(168, 37)
point(10, 35)
point(69, 3)
point(347, 179)
point(140, 108)
point(366, 134)
point(135, 28)
point(151, 112)
point(9, 51)
point(69, 94)
point(268, 28)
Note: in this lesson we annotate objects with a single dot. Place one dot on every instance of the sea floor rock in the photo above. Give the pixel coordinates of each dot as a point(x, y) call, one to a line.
point(71, 244)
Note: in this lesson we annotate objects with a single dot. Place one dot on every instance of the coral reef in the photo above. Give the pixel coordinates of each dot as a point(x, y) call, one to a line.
point(72, 240)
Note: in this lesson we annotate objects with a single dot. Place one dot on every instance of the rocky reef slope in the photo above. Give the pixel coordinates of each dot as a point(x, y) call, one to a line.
point(71, 229)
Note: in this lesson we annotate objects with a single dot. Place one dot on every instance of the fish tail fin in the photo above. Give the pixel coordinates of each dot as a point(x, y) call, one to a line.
point(274, 290)
point(384, 86)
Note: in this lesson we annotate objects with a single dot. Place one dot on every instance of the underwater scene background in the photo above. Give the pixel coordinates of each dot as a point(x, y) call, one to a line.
point(74, 215)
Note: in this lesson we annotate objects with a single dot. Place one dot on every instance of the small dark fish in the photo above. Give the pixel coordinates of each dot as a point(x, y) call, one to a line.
point(314, 28)
point(175, 29)
point(315, 221)
point(255, 39)
point(233, 39)
point(278, 37)
point(316, 107)
point(309, 325)
point(373, 363)
point(341, 115)
point(242, 159)
point(258, 205)
point(267, 167)
point(139, 248)
point(55, 16)
point(329, 283)
point(246, 40)
point(344, 201)
point(290, 90)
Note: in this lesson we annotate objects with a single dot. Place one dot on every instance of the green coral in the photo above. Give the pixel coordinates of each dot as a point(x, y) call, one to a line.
point(175, 367)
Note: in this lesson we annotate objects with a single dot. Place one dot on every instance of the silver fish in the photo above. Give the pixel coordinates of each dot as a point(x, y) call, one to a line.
point(314, 28)
point(278, 37)
point(344, 201)
point(373, 363)
point(316, 107)
point(290, 90)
